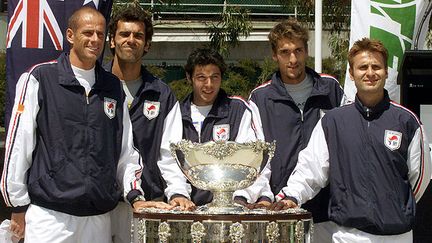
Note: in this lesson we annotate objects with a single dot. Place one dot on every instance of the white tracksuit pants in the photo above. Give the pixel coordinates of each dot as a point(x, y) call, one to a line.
point(351, 235)
point(45, 225)
point(121, 221)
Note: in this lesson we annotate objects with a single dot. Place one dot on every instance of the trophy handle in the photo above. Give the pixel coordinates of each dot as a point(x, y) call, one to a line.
point(178, 152)
point(270, 148)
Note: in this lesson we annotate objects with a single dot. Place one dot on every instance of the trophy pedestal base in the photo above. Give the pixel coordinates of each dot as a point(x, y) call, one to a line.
point(153, 225)
point(222, 203)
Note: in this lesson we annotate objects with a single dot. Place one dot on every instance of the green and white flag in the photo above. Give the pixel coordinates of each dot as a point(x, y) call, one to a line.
point(394, 23)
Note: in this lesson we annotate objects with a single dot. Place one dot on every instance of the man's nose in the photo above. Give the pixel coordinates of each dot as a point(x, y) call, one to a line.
point(95, 36)
point(131, 38)
point(208, 81)
point(292, 58)
point(370, 71)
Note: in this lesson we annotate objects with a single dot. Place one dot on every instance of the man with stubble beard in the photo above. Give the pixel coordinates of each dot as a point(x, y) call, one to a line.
point(155, 116)
point(289, 106)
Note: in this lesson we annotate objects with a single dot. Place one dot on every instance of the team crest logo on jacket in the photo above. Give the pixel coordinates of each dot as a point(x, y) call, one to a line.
point(392, 139)
point(110, 107)
point(221, 132)
point(151, 109)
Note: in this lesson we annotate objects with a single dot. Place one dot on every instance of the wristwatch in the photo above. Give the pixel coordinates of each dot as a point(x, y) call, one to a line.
point(138, 198)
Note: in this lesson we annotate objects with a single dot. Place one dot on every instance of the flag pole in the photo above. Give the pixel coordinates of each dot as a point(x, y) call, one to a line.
point(318, 35)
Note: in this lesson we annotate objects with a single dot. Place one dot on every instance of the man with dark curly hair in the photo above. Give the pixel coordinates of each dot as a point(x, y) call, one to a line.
point(209, 114)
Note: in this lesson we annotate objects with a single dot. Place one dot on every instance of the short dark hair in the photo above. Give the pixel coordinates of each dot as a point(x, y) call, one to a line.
point(290, 29)
point(202, 57)
point(77, 15)
point(370, 45)
point(131, 13)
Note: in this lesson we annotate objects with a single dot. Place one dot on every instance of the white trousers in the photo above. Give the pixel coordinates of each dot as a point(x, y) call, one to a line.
point(351, 235)
point(121, 220)
point(45, 225)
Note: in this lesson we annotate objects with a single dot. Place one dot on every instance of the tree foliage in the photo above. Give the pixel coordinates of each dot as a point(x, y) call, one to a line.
point(242, 77)
point(268, 67)
point(225, 33)
point(181, 88)
point(226, 30)
point(338, 44)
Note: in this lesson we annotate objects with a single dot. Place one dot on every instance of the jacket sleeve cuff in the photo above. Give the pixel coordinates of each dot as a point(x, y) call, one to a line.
point(243, 194)
point(132, 195)
point(282, 196)
point(241, 199)
point(264, 198)
point(20, 209)
point(177, 195)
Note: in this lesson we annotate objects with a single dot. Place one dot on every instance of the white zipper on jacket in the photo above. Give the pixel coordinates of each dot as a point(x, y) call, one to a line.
point(367, 115)
point(301, 115)
point(87, 99)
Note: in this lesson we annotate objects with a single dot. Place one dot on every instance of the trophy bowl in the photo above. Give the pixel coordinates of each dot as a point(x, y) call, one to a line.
point(222, 167)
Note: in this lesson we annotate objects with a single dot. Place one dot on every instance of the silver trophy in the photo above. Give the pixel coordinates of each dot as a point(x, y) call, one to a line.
point(222, 168)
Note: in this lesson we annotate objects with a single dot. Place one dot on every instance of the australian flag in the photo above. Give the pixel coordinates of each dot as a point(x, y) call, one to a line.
point(36, 33)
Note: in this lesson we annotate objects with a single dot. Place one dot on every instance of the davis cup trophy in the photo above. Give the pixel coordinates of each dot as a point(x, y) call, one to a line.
point(222, 168)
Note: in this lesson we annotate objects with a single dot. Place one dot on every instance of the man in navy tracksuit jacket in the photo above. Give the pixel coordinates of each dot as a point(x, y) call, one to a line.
point(153, 108)
point(290, 105)
point(208, 114)
point(374, 155)
point(70, 149)
point(155, 115)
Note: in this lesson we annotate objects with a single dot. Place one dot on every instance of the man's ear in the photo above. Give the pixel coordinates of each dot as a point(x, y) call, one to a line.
point(69, 35)
point(189, 79)
point(147, 46)
point(274, 56)
point(112, 44)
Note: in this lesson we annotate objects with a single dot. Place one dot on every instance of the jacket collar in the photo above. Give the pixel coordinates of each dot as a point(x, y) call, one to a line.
point(220, 108)
point(370, 113)
point(67, 77)
point(319, 88)
point(149, 81)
